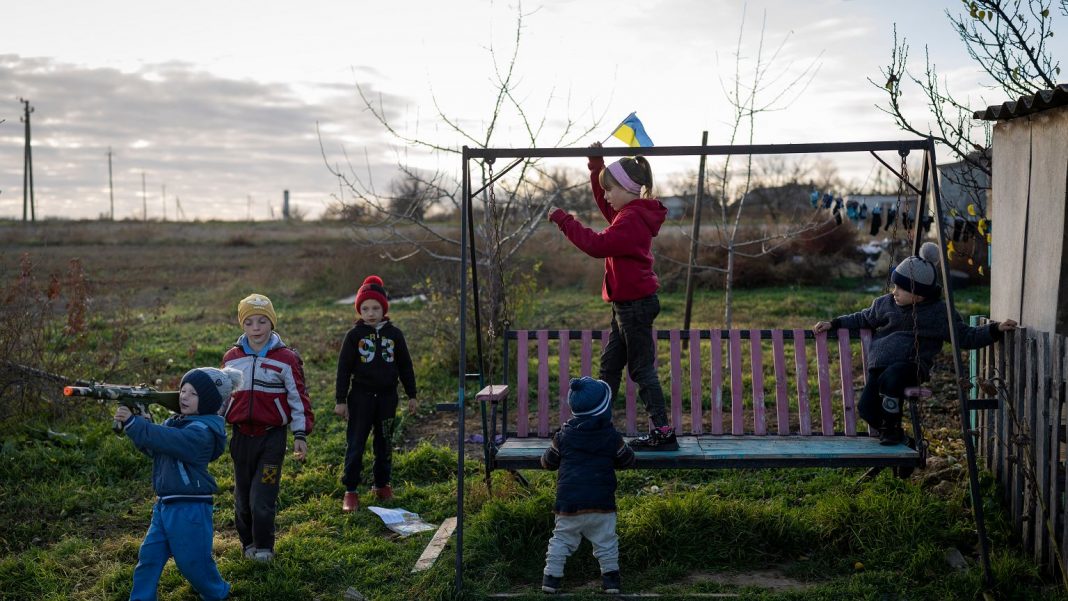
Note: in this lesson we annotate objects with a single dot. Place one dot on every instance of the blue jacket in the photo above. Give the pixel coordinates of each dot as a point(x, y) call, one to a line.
point(898, 338)
point(587, 450)
point(181, 449)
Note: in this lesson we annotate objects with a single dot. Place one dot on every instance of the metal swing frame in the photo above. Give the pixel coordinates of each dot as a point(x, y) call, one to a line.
point(468, 260)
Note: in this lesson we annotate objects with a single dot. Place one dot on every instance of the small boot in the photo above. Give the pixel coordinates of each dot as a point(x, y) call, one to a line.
point(551, 584)
point(382, 493)
point(351, 502)
point(611, 583)
point(658, 439)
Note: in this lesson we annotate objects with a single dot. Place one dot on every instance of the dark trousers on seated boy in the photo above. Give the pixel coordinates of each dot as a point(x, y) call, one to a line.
point(630, 345)
point(882, 400)
point(370, 412)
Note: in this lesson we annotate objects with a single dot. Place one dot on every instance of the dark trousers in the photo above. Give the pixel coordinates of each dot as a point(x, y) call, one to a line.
point(630, 345)
point(884, 394)
point(257, 474)
point(370, 412)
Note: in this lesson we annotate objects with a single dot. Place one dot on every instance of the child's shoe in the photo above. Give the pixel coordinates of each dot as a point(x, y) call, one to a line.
point(611, 582)
point(891, 435)
point(264, 555)
point(658, 439)
point(382, 493)
point(250, 552)
point(351, 502)
point(551, 584)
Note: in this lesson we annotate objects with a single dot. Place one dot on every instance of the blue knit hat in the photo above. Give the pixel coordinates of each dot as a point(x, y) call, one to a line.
point(213, 386)
point(589, 397)
point(918, 274)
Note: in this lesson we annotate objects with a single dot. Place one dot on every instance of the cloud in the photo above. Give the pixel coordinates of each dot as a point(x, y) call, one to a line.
point(211, 140)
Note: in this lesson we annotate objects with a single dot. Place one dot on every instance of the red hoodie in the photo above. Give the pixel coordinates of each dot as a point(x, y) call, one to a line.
point(625, 245)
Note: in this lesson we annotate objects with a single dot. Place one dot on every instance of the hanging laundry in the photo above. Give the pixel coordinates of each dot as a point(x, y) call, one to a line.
point(891, 217)
point(814, 198)
point(828, 200)
point(926, 223)
point(862, 214)
point(876, 220)
point(851, 210)
point(958, 229)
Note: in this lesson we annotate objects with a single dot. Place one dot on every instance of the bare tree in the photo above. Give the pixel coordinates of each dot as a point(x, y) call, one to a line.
point(508, 213)
point(1008, 40)
point(771, 85)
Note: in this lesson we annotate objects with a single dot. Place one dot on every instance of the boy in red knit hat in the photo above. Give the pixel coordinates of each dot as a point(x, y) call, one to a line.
point(373, 359)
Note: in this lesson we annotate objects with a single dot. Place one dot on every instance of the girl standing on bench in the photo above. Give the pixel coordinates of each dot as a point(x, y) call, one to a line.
point(623, 193)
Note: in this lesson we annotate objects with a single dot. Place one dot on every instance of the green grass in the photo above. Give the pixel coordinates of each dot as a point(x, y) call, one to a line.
point(73, 509)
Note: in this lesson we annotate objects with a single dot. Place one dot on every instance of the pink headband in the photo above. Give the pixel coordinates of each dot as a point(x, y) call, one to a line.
point(618, 174)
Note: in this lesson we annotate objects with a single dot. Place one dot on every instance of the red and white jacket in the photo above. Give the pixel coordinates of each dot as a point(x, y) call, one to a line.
point(272, 392)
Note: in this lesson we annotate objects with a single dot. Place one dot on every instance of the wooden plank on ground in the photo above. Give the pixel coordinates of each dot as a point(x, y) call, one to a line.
point(436, 545)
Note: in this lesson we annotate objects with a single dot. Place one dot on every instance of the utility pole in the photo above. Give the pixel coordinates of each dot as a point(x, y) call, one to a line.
point(163, 201)
point(144, 198)
point(111, 186)
point(248, 209)
point(178, 208)
point(27, 167)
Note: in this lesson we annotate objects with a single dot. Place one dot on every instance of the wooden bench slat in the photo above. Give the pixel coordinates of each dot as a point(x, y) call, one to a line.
point(756, 364)
point(823, 372)
point(741, 452)
point(675, 349)
point(696, 419)
point(845, 372)
point(804, 419)
point(522, 427)
point(587, 353)
point(543, 383)
point(715, 360)
point(782, 404)
point(735, 352)
point(564, 376)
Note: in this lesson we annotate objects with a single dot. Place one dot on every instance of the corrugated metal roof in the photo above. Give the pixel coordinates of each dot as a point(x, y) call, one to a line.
point(1026, 105)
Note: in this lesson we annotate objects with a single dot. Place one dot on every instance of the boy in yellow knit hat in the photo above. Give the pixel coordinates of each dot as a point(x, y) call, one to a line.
point(271, 397)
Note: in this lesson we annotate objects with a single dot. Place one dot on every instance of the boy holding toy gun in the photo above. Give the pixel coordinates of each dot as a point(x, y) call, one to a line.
point(181, 449)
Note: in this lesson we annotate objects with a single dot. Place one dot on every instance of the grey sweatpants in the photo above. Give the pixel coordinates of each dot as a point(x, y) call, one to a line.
point(598, 528)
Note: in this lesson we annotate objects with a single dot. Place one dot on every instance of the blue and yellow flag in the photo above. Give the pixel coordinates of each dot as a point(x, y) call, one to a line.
point(632, 132)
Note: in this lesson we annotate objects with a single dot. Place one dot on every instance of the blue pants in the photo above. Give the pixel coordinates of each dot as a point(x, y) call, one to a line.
point(182, 530)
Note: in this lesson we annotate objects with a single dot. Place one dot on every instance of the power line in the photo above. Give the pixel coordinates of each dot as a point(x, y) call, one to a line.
point(27, 167)
point(111, 186)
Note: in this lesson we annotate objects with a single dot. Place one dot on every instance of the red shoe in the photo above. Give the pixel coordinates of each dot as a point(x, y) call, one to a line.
point(382, 493)
point(351, 502)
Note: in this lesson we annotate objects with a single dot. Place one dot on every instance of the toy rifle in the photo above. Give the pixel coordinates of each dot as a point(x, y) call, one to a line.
point(135, 398)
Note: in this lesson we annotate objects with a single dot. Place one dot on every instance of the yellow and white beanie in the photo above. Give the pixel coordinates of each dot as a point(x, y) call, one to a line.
point(256, 304)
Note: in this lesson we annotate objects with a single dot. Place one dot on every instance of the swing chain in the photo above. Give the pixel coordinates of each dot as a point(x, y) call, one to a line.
point(495, 225)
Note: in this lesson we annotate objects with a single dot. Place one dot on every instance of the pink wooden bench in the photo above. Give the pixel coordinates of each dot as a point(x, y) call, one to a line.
point(738, 398)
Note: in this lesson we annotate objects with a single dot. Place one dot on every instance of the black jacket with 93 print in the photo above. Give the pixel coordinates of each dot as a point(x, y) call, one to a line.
point(374, 359)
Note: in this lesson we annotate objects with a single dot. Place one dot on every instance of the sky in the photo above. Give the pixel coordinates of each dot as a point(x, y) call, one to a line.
point(221, 106)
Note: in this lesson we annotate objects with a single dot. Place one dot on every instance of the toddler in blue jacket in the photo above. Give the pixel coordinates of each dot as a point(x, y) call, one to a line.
point(587, 451)
point(181, 449)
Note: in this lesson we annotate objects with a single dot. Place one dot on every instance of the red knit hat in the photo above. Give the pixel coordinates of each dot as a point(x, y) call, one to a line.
point(372, 289)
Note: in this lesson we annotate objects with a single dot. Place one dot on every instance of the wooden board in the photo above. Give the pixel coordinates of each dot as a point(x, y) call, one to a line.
point(435, 546)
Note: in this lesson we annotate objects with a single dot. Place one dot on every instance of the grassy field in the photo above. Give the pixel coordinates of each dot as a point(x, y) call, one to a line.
point(73, 508)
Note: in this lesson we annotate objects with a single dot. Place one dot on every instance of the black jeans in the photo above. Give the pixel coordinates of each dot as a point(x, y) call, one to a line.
point(257, 473)
point(890, 382)
point(630, 345)
point(370, 412)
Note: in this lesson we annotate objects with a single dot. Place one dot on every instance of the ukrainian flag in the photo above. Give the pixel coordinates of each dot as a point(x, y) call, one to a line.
point(632, 132)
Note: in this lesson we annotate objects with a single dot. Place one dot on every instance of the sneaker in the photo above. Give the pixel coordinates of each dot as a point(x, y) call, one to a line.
point(610, 582)
point(656, 440)
point(891, 435)
point(351, 502)
point(264, 555)
point(382, 493)
point(551, 584)
point(250, 552)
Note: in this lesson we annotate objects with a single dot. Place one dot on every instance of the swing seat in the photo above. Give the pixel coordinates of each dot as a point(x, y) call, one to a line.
point(751, 404)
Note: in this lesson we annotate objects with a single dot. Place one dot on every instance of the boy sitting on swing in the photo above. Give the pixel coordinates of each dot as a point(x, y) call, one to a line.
point(909, 327)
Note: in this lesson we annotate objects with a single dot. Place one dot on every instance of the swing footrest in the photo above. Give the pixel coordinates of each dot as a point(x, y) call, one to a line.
point(974, 404)
point(918, 392)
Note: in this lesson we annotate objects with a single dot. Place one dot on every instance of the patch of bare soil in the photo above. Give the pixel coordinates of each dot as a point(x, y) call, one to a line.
point(772, 579)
